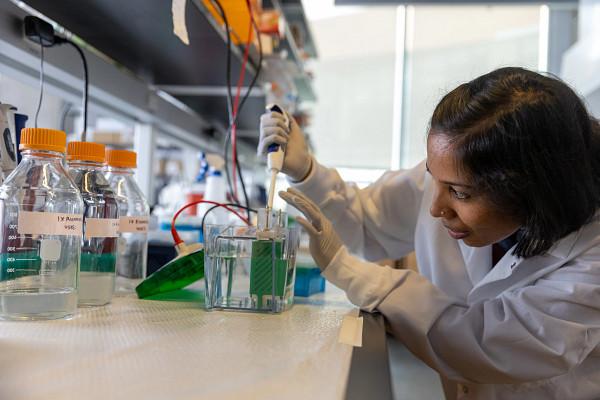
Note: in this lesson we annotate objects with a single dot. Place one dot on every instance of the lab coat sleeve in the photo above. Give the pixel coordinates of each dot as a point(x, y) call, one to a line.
point(530, 334)
point(376, 222)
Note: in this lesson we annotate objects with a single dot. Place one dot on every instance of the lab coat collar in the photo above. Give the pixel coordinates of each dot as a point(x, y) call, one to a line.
point(512, 272)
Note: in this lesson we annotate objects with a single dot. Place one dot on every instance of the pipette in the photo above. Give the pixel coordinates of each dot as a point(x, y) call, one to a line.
point(275, 156)
point(266, 250)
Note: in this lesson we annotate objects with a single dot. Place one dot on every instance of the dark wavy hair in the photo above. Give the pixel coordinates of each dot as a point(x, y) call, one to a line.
point(529, 145)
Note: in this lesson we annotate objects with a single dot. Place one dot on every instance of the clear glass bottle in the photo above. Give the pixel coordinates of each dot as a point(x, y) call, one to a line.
point(100, 223)
point(132, 249)
point(41, 223)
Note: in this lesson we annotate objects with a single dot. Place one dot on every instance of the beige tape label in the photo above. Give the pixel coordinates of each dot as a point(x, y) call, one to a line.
point(351, 330)
point(101, 227)
point(45, 223)
point(179, 27)
point(133, 224)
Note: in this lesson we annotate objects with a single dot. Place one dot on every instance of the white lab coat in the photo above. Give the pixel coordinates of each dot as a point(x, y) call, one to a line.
point(526, 329)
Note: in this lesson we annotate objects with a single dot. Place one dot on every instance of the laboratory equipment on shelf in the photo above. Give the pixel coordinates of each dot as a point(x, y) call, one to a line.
point(100, 223)
point(197, 189)
point(132, 247)
point(251, 268)
point(41, 226)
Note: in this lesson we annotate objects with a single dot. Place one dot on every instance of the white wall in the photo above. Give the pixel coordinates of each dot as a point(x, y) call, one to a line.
point(581, 62)
point(454, 44)
point(26, 99)
point(351, 125)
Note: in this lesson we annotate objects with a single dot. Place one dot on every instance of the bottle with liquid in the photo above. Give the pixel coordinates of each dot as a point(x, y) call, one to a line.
point(41, 218)
point(100, 223)
point(196, 190)
point(215, 191)
point(132, 247)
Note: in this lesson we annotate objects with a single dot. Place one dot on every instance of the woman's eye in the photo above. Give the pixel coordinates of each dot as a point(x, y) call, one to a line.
point(458, 195)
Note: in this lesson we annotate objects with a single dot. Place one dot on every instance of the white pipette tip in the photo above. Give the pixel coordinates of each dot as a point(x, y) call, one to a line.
point(272, 189)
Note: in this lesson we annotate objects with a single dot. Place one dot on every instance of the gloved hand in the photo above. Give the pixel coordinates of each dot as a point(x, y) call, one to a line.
point(324, 242)
point(273, 130)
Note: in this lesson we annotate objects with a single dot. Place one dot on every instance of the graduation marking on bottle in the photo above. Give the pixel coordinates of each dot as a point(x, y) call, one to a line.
point(16, 253)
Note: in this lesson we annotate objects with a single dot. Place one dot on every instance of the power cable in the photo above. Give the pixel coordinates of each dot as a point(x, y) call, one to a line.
point(84, 102)
point(37, 112)
point(226, 204)
point(40, 31)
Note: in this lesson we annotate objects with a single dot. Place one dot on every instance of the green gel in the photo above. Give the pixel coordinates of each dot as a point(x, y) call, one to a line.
point(174, 275)
point(261, 271)
point(104, 263)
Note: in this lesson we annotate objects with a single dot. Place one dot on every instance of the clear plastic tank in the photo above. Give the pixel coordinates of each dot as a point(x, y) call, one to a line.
point(250, 268)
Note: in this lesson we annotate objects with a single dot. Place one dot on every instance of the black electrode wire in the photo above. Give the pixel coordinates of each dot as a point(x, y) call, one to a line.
point(239, 169)
point(228, 136)
point(84, 107)
point(229, 95)
point(232, 119)
point(63, 116)
point(228, 69)
point(41, 83)
point(229, 205)
point(237, 166)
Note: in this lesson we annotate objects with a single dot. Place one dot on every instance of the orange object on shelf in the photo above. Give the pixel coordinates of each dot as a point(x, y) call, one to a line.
point(238, 18)
point(270, 22)
point(190, 198)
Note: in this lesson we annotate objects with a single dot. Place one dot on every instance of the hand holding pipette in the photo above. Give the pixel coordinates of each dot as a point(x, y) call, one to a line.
point(275, 155)
point(278, 128)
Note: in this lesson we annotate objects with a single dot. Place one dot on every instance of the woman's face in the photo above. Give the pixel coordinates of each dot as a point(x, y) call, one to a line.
point(466, 214)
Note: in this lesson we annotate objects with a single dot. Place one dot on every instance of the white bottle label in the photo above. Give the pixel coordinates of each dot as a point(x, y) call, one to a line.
point(134, 224)
point(50, 249)
point(101, 227)
point(44, 223)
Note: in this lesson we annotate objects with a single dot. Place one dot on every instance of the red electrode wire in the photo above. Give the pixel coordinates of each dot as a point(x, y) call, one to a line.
point(176, 237)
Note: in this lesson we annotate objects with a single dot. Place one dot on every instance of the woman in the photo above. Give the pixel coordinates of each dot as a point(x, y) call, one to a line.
point(512, 164)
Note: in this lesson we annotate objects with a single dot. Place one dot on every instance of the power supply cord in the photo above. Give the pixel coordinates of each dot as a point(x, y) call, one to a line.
point(42, 33)
point(84, 102)
point(37, 112)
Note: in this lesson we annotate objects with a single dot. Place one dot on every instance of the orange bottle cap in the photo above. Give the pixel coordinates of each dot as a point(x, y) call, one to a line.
point(43, 139)
point(85, 151)
point(121, 158)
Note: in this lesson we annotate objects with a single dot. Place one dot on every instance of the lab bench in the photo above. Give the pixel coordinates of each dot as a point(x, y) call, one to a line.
point(173, 349)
